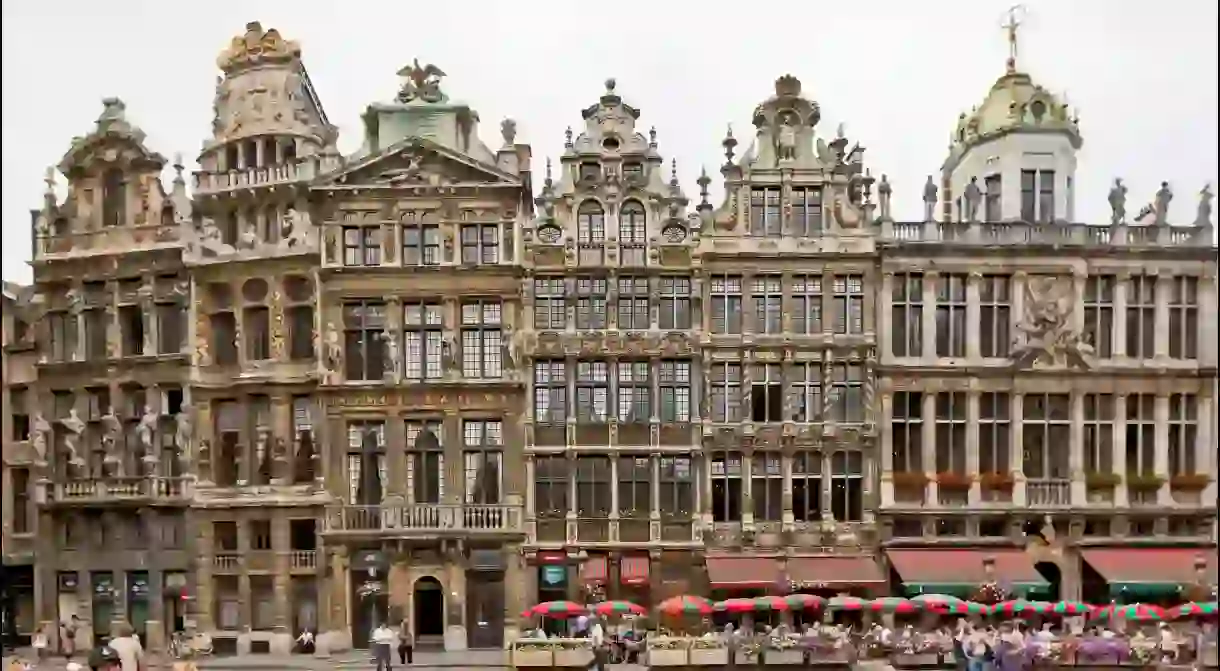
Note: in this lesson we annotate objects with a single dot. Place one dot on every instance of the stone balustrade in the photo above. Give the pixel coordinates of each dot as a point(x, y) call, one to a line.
point(135, 488)
point(283, 173)
point(1019, 233)
point(425, 519)
point(114, 240)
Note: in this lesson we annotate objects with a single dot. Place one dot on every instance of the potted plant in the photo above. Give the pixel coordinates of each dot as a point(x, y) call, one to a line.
point(708, 652)
point(1101, 479)
point(953, 480)
point(1144, 481)
point(667, 651)
point(1190, 481)
point(910, 478)
point(996, 481)
point(527, 653)
point(783, 652)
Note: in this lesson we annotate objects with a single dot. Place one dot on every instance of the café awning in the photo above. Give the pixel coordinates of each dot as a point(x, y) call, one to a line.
point(742, 572)
point(833, 571)
point(960, 571)
point(1150, 571)
point(633, 570)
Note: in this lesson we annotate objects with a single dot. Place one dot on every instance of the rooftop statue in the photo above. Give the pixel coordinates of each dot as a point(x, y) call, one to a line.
point(423, 82)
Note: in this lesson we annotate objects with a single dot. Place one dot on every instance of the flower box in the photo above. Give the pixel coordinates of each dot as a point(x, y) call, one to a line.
point(709, 656)
point(790, 657)
point(1140, 481)
point(996, 481)
point(1102, 479)
point(532, 656)
point(910, 478)
point(951, 480)
point(668, 657)
point(579, 658)
point(1190, 481)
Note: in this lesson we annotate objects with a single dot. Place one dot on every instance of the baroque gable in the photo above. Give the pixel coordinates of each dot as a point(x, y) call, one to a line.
point(416, 162)
point(114, 141)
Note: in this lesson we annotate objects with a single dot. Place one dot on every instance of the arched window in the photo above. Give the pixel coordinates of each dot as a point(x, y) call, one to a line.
point(590, 222)
point(114, 198)
point(631, 222)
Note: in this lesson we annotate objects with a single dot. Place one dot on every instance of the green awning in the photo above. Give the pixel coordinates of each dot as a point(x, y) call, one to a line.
point(1120, 590)
point(966, 590)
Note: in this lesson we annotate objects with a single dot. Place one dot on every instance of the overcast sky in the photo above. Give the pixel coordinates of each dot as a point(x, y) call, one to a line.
point(896, 73)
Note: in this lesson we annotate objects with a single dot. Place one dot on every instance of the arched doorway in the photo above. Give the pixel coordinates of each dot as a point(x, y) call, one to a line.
point(428, 613)
point(1054, 576)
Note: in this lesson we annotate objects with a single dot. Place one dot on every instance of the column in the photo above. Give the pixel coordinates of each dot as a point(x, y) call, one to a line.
point(455, 484)
point(246, 605)
point(530, 478)
point(282, 440)
point(149, 309)
point(747, 487)
point(887, 449)
point(205, 599)
point(973, 353)
point(155, 633)
point(975, 494)
point(1120, 316)
point(1079, 491)
point(281, 541)
point(747, 294)
point(1017, 314)
point(928, 456)
point(1163, 286)
point(614, 502)
point(396, 458)
point(1079, 277)
point(80, 351)
point(654, 515)
point(242, 159)
point(246, 458)
point(514, 592)
point(1208, 336)
point(1017, 457)
point(885, 336)
point(1119, 449)
point(1160, 459)
point(1205, 450)
point(785, 465)
point(928, 315)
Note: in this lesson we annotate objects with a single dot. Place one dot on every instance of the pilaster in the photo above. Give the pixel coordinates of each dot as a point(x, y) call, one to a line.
point(1120, 317)
point(1017, 314)
point(1079, 279)
point(205, 598)
point(155, 637)
point(928, 453)
point(1079, 490)
point(1119, 448)
point(396, 458)
point(975, 495)
point(1017, 454)
point(281, 541)
point(1164, 284)
point(928, 317)
point(887, 449)
point(1209, 338)
point(1205, 446)
point(1160, 458)
point(884, 330)
point(451, 431)
point(282, 438)
point(973, 320)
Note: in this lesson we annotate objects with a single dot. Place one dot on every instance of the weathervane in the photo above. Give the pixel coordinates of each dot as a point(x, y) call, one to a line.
point(1010, 26)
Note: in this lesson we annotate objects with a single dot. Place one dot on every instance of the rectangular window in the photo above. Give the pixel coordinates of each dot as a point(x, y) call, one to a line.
point(229, 420)
point(726, 486)
point(807, 300)
point(951, 432)
point(675, 388)
point(677, 488)
point(768, 298)
point(171, 328)
point(807, 486)
point(726, 392)
point(906, 314)
point(421, 239)
point(1046, 196)
point(256, 327)
point(634, 487)
point(1183, 317)
point(424, 340)
point(425, 461)
point(592, 392)
point(633, 304)
point(483, 446)
point(1141, 317)
point(590, 303)
point(131, 326)
point(1098, 433)
point(846, 392)
point(847, 485)
point(1046, 429)
point(765, 214)
point(550, 392)
point(593, 487)
point(806, 211)
point(767, 486)
point(726, 304)
point(807, 386)
point(1183, 429)
point(300, 332)
point(361, 245)
point(675, 304)
point(97, 324)
point(992, 185)
point(481, 244)
point(634, 392)
point(951, 315)
point(767, 393)
point(550, 304)
point(551, 486)
point(224, 338)
point(906, 431)
point(849, 304)
point(482, 341)
point(20, 482)
point(1141, 434)
point(19, 408)
point(1099, 314)
point(995, 432)
point(1029, 203)
point(363, 343)
point(995, 315)
point(366, 464)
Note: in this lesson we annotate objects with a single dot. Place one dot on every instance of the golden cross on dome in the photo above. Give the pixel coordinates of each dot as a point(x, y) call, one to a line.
point(1010, 27)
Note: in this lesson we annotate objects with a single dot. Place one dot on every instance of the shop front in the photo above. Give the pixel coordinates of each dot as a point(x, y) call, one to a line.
point(1165, 575)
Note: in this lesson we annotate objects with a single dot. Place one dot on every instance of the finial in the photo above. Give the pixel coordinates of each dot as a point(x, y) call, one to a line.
point(548, 180)
point(610, 84)
point(567, 138)
point(652, 137)
point(49, 179)
point(703, 183)
point(673, 171)
point(178, 167)
point(729, 143)
point(841, 131)
point(1010, 27)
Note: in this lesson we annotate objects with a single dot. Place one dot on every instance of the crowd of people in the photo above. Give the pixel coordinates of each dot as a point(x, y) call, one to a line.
point(121, 652)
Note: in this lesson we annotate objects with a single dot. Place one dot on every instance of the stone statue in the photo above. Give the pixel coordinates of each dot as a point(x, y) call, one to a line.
point(1049, 304)
point(508, 359)
point(261, 438)
point(453, 359)
point(112, 428)
point(392, 354)
point(972, 195)
point(75, 427)
point(182, 434)
point(846, 215)
point(785, 139)
point(508, 131)
point(1160, 204)
point(40, 436)
point(1118, 202)
point(929, 199)
point(295, 227)
point(884, 192)
point(1203, 215)
point(249, 236)
point(76, 299)
point(146, 430)
point(422, 82)
point(332, 354)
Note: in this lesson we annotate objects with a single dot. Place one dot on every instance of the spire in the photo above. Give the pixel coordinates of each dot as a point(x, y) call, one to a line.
point(1010, 27)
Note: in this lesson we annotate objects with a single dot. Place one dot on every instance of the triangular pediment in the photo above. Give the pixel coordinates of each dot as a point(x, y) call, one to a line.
point(416, 162)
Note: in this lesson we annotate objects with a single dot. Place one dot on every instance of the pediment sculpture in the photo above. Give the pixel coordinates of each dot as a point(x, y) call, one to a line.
point(1049, 336)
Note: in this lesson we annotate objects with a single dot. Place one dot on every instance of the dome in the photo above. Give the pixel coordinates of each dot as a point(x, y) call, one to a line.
point(1014, 104)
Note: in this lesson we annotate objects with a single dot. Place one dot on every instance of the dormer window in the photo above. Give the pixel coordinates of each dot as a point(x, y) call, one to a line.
point(590, 172)
point(114, 198)
point(631, 229)
point(633, 171)
point(991, 198)
point(765, 218)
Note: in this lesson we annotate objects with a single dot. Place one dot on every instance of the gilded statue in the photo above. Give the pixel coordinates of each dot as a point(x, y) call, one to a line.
point(1049, 304)
point(422, 82)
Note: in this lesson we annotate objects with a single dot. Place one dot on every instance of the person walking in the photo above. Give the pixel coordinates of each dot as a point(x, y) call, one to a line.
point(406, 643)
point(383, 641)
point(128, 647)
point(68, 636)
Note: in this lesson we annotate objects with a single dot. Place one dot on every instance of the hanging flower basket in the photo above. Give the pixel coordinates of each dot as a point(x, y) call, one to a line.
point(989, 593)
point(1144, 482)
point(369, 589)
point(1102, 479)
point(952, 480)
point(1190, 481)
point(996, 481)
point(910, 479)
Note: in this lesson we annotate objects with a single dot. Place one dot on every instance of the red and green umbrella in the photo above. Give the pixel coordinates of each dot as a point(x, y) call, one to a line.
point(770, 603)
point(1194, 609)
point(616, 608)
point(966, 608)
point(893, 604)
point(935, 601)
point(685, 605)
point(846, 603)
point(735, 605)
point(1136, 612)
point(1072, 608)
point(556, 609)
point(804, 601)
point(1018, 607)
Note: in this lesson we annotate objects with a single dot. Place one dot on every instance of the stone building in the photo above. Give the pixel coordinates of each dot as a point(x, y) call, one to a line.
point(21, 464)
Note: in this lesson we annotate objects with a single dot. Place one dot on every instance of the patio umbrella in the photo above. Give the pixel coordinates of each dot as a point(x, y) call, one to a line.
point(804, 601)
point(846, 603)
point(966, 608)
point(770, 603)
point(937, 601)
point(686, 604)
point(734, 605)
point(1072, 608)
point(1020, 607)
point(556, 609)
point(1136, 612)
point(893, 604)
point(1194, 609)
point(616, 608)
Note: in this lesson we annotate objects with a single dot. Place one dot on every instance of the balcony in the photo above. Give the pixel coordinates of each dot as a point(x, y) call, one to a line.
point(1023, 233)
point(303, 560)
point(1048, 492)
point(285, 173)
point(113, 240)
point(226, 561)
point(424, 520)
point(140, 490)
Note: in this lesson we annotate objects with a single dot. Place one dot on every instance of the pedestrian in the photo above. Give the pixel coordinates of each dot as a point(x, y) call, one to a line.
point(68, 636)
point(40, 644)
point(383, 641)
point(128, 647)
point(597, 638)
point(406, 643)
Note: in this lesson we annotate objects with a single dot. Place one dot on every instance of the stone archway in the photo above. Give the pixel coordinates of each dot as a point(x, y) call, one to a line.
point(428, 608)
